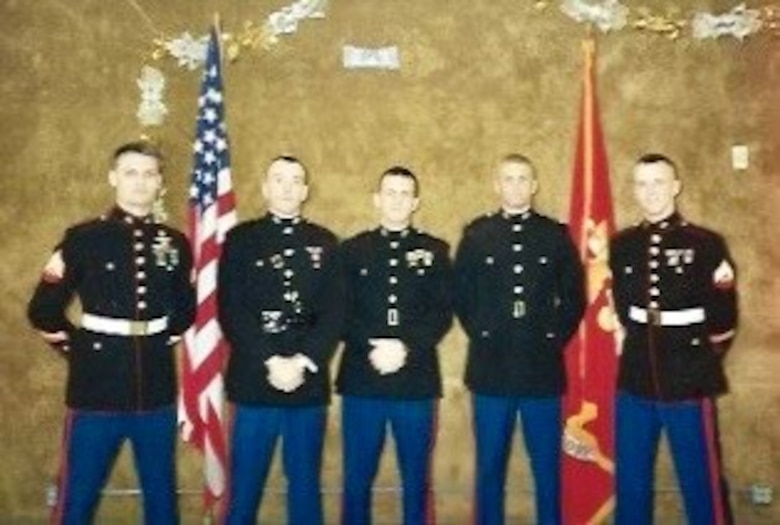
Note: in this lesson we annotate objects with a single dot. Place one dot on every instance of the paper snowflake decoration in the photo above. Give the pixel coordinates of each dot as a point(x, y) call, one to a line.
point(739, 23)
point(189, 52)
point(152, 109)
point(607, 15)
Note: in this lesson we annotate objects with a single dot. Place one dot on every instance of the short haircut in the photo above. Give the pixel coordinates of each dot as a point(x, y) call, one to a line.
point(518, 158)
point(400, 171)
point(653, 158)
point(142, 147)
point(292, 160)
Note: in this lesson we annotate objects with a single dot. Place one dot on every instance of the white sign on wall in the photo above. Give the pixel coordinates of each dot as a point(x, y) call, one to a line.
point(354, 57)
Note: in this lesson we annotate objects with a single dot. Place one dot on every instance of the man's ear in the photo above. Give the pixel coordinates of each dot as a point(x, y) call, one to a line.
point(264, 190)
point(305, 195)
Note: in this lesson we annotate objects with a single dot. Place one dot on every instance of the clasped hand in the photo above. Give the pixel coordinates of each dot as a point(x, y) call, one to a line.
point(388, 355)
point(287, 374)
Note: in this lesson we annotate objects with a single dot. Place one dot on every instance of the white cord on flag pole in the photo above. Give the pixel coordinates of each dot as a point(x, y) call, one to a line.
point(140, 10)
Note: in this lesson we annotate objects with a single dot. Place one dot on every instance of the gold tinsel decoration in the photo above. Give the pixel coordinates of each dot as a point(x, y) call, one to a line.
point(250, 38)
point(673, 24)
point(770, 19)
point(669, 25)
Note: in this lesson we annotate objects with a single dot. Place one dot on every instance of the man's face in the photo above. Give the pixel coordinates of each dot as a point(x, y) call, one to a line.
point(396, 201)
point(516, 185)
point(655, 189)
point(137, 180)
point(285, 189)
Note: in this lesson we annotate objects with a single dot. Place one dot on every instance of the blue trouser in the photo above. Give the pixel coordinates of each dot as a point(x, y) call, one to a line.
point(253, 440)
point(692, 433)
point(494, 424)
point(91, 443)
point(364, 424)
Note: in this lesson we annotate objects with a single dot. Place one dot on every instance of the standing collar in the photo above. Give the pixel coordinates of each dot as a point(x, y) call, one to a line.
point(284, 221)
point(118, 214)
point(672, 221)
point(394, 234)
point(517, 217)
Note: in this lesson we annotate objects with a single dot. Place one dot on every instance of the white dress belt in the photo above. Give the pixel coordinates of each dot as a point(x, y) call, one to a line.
point(126, 327)
point(684, 317)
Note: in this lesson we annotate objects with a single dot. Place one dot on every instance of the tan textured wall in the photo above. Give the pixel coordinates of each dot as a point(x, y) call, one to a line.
point(478, 79)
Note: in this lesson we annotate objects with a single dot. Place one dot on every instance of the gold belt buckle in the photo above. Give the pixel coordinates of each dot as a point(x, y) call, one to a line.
point(518, 310)
point(654, 316)
point(139, 328)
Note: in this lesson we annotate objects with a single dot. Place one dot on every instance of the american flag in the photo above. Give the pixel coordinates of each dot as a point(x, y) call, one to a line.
point(212, 214)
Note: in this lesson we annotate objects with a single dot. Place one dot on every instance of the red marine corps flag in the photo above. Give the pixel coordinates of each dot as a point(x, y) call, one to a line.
point(212, 214)
point(591, 358)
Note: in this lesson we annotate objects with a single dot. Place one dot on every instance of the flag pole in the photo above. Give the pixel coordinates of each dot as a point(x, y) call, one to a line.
point(588, 464)
point(208, 516)
point(218, 31)
point(210, 435)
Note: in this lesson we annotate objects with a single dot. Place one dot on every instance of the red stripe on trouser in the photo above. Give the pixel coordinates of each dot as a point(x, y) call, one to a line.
point(430, 499)
point(343, 481)
point(713, 460)
point(230, 417)
point(474, 498)
point(62, 476)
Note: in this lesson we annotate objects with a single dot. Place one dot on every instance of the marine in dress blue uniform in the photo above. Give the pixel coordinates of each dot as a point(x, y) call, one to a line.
point(399, 294)
point(519, 297)
point(675, 294)
point(281, 308)
point(132, 277)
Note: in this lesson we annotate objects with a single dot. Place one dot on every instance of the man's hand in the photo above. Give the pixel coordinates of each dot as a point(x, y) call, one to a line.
point(54, 270)
point(59, 340)
point(721, 343)
point(388, 355)
point(54, 338)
